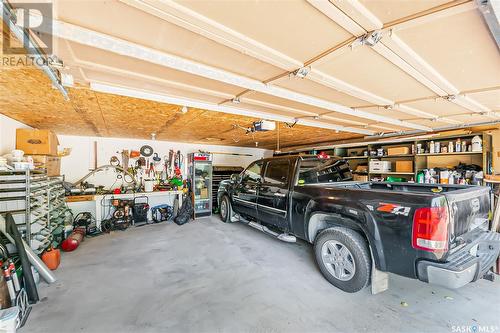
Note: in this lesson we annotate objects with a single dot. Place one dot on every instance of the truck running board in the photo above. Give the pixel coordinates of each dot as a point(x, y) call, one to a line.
point(282, 237)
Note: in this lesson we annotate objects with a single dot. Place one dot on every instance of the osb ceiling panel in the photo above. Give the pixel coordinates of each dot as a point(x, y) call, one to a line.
point(138, 27)
point(366, 69)
point(294, 28)
point(460, 47)
point(26, 95)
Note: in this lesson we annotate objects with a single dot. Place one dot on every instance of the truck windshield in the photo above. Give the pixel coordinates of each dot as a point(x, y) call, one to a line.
point(328, 170)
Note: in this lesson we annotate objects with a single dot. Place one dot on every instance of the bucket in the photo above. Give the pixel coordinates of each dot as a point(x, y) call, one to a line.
point(148, 185)
point(8, 319)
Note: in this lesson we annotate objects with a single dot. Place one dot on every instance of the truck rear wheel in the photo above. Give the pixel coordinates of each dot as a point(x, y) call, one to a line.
point(343, 258)
point(226, 211)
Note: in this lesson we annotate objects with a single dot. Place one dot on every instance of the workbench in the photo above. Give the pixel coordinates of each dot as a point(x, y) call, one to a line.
point(100, 205)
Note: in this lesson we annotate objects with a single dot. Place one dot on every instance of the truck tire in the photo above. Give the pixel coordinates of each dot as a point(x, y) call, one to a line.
point(226, 211)
point(344, 258)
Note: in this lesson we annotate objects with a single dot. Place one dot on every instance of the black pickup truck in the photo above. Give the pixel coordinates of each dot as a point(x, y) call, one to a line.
point(431, 232)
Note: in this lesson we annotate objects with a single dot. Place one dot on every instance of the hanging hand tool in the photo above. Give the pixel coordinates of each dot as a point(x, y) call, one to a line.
point(151, 170)
point(146, 151)
point(135, 154)
point(171, 156)
point(165, 168)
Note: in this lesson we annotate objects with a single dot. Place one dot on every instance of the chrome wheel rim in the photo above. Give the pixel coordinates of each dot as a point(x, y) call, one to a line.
point(338, 260)
point(223, 209)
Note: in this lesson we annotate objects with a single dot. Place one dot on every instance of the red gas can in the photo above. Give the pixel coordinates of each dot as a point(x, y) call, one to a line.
point(73, 240)
point(52, 258)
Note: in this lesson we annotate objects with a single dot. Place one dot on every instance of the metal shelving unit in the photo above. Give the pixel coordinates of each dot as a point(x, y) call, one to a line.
point(25, 195)
point(58, 210)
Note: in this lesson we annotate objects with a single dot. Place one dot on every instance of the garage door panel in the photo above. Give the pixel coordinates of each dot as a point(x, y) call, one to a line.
point(113, 61)
point(389, 10)
point(366, 69)
point(148, 30)
point(461, 49)
point(311, 88)
point(294, 28)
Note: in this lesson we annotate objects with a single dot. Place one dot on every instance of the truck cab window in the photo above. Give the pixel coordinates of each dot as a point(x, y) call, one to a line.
point(277, 172)
point(252, 173)
point(323, 171)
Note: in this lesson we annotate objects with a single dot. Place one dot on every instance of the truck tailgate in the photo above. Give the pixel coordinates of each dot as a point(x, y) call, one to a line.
point(468, 209)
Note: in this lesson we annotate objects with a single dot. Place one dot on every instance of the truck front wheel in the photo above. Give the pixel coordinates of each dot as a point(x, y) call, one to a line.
point(343, 258)
point(226, 211)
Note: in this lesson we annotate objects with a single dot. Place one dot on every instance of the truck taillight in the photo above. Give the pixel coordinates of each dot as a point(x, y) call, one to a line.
point(430, 229)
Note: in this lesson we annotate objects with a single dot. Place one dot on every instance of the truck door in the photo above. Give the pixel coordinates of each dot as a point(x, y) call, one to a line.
point(245, 195)
point(272, 199)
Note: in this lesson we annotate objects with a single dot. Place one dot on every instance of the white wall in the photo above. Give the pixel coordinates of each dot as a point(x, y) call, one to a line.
point(8, 128)
point(81, 160)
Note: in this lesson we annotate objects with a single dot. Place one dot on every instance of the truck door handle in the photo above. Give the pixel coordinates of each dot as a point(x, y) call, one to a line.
point(277, 194)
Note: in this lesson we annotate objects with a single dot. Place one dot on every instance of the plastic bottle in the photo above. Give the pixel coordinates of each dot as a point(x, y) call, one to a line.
point(427, 176)
point(458, 146)
point(420, 177)
point(450, 147)
point(451, 178)
point(477, 145)
point(431, 147)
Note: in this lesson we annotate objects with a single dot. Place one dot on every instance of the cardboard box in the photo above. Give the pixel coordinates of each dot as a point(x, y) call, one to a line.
point(398, 151)
point(50, 164)
point(204, 193)
point(404, 166)
point(380, 166)
point(362, 168)
point(36, 142)
point(360, 178)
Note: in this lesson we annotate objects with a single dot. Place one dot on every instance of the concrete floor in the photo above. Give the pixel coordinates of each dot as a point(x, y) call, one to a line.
point(208, 276)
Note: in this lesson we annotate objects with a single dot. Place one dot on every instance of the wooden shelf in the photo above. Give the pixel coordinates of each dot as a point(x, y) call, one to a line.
point(454, 153)
point(392, 173)
point(355, 157)
point(395, 156)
